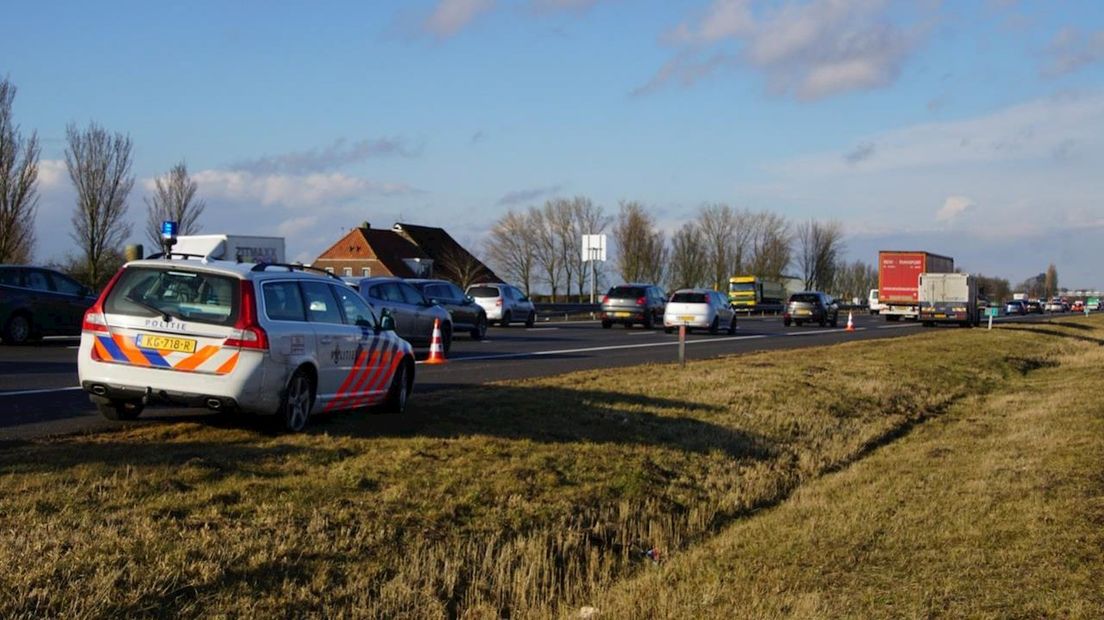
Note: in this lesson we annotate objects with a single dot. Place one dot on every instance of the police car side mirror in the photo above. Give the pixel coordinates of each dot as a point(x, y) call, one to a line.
point(387, 323)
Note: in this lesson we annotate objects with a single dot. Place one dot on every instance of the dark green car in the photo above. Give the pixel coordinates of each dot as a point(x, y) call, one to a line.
point(37, 302)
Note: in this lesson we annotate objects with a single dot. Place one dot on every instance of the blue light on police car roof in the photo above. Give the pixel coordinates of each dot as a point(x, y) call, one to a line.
point(168, 229)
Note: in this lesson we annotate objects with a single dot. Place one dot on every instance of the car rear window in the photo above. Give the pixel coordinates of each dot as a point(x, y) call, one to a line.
point(807, 298)
point(627, 292)
point(483, 291)
point(689, 298)
point(182, 294)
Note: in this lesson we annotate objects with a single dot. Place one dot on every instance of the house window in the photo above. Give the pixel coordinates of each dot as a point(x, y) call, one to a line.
point(366, 272)
point(329, 269)
point(348, 271)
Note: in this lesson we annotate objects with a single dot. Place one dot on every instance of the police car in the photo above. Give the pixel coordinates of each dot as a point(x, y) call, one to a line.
point(271, 339)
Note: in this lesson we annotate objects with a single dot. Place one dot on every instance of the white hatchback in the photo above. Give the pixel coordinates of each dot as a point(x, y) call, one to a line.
point(699, 308)
point(266, 339)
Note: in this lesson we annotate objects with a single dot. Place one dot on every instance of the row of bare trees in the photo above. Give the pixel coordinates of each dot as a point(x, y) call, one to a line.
point(99, 166)
point(542, 246)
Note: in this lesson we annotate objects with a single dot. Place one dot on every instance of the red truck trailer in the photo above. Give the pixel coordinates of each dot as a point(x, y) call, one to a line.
point(899, 280)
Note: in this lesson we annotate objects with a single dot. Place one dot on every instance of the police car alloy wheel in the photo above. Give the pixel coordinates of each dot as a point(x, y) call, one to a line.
point(297, 402)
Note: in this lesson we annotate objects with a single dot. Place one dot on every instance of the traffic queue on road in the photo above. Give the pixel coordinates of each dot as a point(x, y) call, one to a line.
point(289, 341)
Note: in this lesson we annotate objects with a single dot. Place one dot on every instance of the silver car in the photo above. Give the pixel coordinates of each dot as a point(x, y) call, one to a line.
point(413, 312)
point(699, 308)
point(504, 304)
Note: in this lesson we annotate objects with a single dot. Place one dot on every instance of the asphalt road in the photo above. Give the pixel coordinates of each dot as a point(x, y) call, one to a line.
point(38, 393)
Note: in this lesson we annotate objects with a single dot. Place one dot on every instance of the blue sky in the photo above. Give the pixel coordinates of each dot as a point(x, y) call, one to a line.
point(974, 129)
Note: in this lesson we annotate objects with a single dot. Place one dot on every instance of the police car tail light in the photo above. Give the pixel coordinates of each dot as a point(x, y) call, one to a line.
point(640, 301)
point(94, 318)
point(248, 333)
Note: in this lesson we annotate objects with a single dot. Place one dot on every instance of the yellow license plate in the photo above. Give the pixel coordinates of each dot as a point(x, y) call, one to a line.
point(166, 343)
point(803, 312)
point(686, 318)
point(622, 314)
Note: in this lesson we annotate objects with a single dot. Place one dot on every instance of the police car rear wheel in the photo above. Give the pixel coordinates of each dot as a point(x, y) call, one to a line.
point(120, 409)
point(399, 392)
point(296, 405)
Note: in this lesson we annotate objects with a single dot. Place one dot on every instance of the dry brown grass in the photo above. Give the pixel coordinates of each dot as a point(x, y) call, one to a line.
point(526, 499)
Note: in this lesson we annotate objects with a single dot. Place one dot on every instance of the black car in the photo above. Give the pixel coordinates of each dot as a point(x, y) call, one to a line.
point(37, 302)
point(811, 307)
point(466, 314)
point(634, 303)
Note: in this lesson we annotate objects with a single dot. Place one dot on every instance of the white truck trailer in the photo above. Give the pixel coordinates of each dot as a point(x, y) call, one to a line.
point(948, 298)
point(240, 248)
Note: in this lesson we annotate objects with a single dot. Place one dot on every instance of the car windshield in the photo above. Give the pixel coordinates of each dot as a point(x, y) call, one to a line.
point(187, 295)
point(807, 298)
point(689, 298)
point(483, 291)
point(626, 291)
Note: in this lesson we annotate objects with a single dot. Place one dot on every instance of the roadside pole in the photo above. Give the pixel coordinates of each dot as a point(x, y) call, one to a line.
point(682, 346)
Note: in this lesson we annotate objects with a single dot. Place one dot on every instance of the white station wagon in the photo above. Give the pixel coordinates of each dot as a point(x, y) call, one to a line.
point(267, 339)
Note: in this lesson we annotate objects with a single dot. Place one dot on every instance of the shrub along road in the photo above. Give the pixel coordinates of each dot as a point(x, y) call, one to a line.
point(811, 482)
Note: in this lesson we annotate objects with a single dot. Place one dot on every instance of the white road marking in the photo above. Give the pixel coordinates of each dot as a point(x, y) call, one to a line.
point(541, 329)
point(899, 326)
point(29, 392)
point(823, 331)
point(498, 356)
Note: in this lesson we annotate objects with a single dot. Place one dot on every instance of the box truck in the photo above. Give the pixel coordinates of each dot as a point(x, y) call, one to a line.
point(949, 298)
point(899, 280)
point(755, 294)
point(240, 248)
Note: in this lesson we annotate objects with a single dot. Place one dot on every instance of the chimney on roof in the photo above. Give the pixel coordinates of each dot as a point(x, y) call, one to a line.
point(365, 224)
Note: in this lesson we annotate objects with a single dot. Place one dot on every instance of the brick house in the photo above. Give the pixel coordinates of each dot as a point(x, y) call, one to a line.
point(365, 251)
point(405, 251)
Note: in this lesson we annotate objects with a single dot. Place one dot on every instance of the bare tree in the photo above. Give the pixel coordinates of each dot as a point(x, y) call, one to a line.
point(546, 247)
point(18, 179)
point(510, 249)
point(771, 241)
point(641, 248)
point(820, 245)
point(717, 224)
point(459, 266)
point(689, 266)
point(1050, 281)
point(173, 199)
point(588, 219)
point(99, 166)
point(559, 219)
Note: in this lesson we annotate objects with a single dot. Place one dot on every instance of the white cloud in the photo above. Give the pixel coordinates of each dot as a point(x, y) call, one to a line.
point(296, 191)
point(808, 50)
point(52, 174)
point(289, 228)
point(451, 16)
point(1073, 49)
point(1052, 130)
point(953, 207)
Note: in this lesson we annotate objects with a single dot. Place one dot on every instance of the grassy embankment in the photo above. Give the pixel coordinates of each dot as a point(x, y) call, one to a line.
point(536, 498)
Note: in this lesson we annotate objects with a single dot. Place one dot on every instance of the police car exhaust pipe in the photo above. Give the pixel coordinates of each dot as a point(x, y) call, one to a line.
point(99, 390)
point(214, 403)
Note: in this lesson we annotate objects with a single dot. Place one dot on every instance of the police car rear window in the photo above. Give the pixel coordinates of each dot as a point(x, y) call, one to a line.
point(177, 294)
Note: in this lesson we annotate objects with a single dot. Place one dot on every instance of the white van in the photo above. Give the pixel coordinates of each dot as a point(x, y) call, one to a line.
point(875, 307)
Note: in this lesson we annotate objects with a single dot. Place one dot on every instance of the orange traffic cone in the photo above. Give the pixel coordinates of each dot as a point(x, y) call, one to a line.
point(850, 323)
point(436, 350)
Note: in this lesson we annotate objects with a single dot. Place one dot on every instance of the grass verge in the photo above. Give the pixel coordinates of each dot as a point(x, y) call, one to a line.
point(526, 499)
